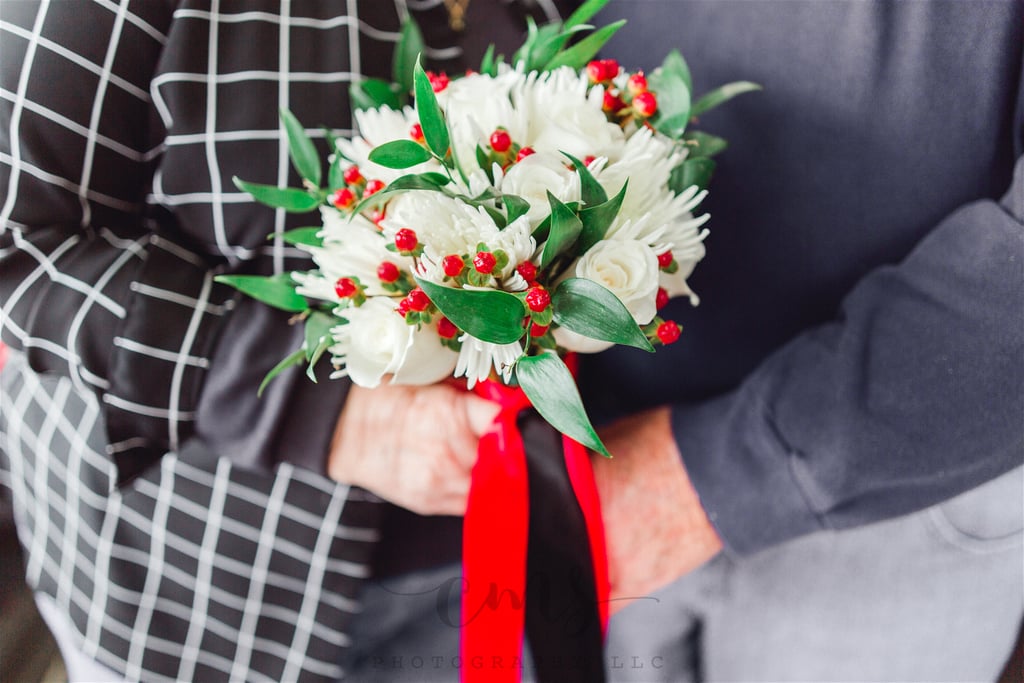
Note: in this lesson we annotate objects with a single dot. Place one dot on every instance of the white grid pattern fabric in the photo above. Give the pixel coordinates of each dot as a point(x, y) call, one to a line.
point(191, 553)
point(122, 123)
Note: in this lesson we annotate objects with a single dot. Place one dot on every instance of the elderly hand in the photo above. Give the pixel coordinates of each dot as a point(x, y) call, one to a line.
point(655, 527)
point(412, 446)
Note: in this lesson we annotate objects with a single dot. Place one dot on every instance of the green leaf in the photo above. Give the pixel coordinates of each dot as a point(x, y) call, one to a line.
point(551, 388)
point(277, 290)
point(399, 154)
point(413, 181)
point(585, 12)
point(435, 130)
point(335, 174)
point(515, 206)
point(407, 51)
point(670, 82)
point(675, 64)
point(318, 328)
point(307, 236)
point(582, 52)
point(301, 148)
point(287, 198)
point(591, 191)
point(585, 307)
point(703, 144)
point(691, 172)
point(720, 95)
point(532, 36)
point(597, 219)
point(487, 65)
point(490, 315)
point(373, 93)
point(565, 229)
point(294, 359)
point(551, 40)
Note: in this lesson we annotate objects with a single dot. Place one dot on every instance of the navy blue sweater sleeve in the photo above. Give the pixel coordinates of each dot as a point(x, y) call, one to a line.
point(915, 393)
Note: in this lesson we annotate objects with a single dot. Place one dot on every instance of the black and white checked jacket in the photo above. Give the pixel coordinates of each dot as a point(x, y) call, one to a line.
point(223, 554)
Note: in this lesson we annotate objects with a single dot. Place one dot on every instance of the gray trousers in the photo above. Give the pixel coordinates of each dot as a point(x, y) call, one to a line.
point(933, 596)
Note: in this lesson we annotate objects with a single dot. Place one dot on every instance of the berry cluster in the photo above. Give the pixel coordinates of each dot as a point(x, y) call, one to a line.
point(474, 269)
point(634, 102)
point(501, 150)
point(356, 189)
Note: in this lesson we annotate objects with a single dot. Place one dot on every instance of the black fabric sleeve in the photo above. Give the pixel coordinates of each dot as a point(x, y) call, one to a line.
point(915, 394)
point(95, 286)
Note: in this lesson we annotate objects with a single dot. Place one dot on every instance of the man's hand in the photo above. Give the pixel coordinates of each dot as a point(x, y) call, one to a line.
point(412, 446)
point(655, 527)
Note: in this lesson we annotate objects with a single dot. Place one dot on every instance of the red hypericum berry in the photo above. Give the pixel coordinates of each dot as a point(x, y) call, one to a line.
point(352, 175)
point(661, 299)
point(418, 300)
point(589, 159)
point(524, 152)
point(602, 70)
point(388, 272)
point(538, 299)
point(527, 270)
point(345, 287)
point(377, 216)
point(538, 330)
point(343, 198)
point(372, 187)
point(406, 240)
point(402, 308)
point(500, 141)
point(668, 332)
point(484, 262)
point(637, 83)
point(645, 104)
point(438, 81)
point(611, 68)
point(446, 328)
point(416, 132)
point(452, 265)
point(665, 259)
point(612, 102)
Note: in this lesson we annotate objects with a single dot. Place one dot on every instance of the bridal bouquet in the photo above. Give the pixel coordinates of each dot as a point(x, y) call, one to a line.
point(511, 215)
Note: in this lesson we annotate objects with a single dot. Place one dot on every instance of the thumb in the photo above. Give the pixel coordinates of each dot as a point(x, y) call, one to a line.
point(480, 414)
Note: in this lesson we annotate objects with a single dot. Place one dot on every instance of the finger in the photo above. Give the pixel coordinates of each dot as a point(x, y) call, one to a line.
point(480, 414)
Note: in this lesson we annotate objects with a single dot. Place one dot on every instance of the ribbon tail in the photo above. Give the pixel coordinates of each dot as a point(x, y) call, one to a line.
point(495, 532)
point(581, 475)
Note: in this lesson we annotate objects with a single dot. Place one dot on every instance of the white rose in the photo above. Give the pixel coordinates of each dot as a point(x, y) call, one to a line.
point(627, 268)
point(535, 176)
point(573, 341)
point(378, 342)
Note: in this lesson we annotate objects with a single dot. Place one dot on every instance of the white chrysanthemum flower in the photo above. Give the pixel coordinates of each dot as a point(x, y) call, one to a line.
point(475, 106)
point(535, 176)
point(445, 225)
point(517, 242)
point(564, 117)
point(337, 224)
point(356, 251)
point(376, 127)
point(477, 358)
point(377, 342)
point(314, 286)
point(647, 161)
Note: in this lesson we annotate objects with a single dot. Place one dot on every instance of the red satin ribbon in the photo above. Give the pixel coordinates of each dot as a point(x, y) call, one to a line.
point(495, 536)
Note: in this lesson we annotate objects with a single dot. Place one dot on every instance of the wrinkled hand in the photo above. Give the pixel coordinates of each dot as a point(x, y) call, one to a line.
point(412, 446)
point(655, 527)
